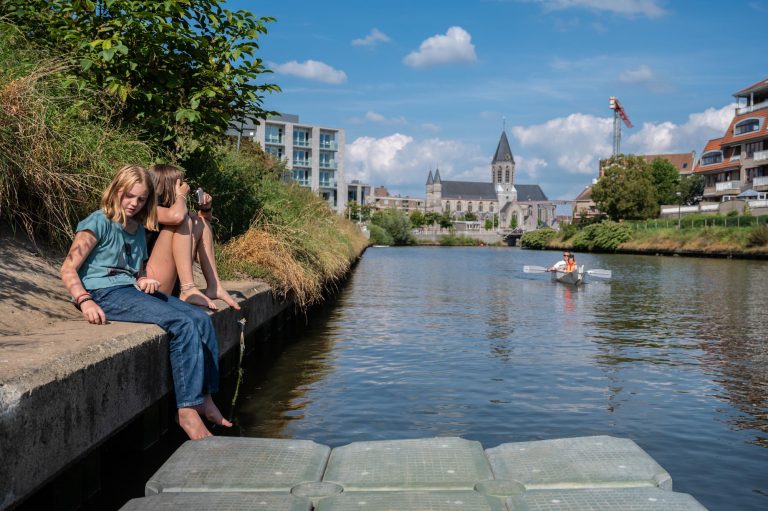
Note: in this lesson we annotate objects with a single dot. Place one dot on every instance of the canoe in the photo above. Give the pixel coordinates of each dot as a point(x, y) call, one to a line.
point(574, 278)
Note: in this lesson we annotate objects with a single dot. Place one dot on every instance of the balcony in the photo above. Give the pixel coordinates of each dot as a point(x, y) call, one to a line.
point(332, 144)
point(726, 186)
point(302, 163)
point(760, 156)
point(749, 109)
point(328, 164)
point(302, 182)
point(328, 183)
point(273, 140)
point(761, 181)
point(302, 143)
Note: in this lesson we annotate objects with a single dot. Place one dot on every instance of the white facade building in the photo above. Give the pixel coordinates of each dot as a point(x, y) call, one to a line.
point(314, 155)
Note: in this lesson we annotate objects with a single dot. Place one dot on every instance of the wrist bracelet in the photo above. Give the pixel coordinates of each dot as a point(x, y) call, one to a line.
point(77, 298)
point(88, 298)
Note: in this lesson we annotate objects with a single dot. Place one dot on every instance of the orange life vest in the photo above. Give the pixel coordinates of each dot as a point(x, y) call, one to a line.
point(570, 266)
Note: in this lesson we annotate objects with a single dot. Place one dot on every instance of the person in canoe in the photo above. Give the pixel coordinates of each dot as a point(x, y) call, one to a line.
point(568, 264)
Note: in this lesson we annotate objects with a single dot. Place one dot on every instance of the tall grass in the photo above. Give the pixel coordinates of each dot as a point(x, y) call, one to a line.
point(58, 148)
point(297, 244)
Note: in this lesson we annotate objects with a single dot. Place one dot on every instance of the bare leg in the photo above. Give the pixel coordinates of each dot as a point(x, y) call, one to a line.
point(190, 421)
point(160, 265)
point(211, 412)
point(203, 247)
point(182, 256)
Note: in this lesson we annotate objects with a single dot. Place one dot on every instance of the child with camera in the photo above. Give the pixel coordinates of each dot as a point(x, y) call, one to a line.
point(104, 271)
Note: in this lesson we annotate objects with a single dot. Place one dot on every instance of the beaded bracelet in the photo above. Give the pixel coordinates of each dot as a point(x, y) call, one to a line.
point(88, 298)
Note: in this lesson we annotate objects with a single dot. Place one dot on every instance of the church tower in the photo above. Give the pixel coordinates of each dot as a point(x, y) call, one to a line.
point(503, 172)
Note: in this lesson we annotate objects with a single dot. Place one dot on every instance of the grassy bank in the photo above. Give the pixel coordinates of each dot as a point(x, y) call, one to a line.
point(59, 148)
point(745, 236)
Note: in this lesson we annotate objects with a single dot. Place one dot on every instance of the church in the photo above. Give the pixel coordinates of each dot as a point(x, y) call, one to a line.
point(517, 206)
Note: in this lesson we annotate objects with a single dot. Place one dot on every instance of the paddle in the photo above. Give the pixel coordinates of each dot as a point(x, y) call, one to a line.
point(603, 274)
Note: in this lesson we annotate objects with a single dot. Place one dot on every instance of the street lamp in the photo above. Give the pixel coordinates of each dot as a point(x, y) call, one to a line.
point(679, 201)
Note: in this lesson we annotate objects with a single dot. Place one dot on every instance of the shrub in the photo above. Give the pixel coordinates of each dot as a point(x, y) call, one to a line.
point(758, 236)
point(379, 235)
point(397, 224)
point(450, 240)
point(537, 239)
point(607, 235)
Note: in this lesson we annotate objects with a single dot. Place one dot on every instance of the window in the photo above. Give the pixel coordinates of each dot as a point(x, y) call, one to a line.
point(277, 152)
point(469, 207)
point(327, 140)
point(301, 177)
point(480, 207)
point(752, 147)
point(301, 138)
point(458, 205)
point(506, 176)
point(711, 157)
point(273, 134)
point(746, 126)
point(490, 207)
point(301, 158)
point(498, 176)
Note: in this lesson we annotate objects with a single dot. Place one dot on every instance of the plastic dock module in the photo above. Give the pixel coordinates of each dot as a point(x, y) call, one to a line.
point(219, 502)
point(222, 464)
point(603, 499)
point(584, 462)
point(398, 465)
point(598, 473)
point(407, 501)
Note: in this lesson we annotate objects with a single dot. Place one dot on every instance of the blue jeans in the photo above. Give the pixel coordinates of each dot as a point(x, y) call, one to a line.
point(193, 345)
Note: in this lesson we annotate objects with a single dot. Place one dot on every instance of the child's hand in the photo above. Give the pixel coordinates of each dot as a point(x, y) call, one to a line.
point(148, 285)
point(93, 313)
point(182, 188)
point(207, 202)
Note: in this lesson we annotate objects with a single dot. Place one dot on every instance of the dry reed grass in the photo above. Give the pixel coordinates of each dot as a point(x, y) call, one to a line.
point(298, 246)
point(57, 151)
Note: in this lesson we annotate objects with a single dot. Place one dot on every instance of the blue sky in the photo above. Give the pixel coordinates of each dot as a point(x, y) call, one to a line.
point(424, 84)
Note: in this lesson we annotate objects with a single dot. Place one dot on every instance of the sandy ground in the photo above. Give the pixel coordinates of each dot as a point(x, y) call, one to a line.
point(32, 296)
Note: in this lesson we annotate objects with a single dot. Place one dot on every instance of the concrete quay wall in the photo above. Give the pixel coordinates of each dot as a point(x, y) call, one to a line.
point(65, 390)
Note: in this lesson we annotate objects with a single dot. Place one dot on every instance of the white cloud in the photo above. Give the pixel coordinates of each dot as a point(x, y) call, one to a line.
point(452, 48)
point(401, 163)
point(648, 8)
point(380, 119)
point(667, 137)
point(576, 143)
point(376, 36)
point(311, 70)
point(645, 77)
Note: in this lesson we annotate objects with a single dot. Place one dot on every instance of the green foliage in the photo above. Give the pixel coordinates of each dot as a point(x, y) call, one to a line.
point(666, 181)
point(605, 236)
point(396, 223)
point(181, 69)
point(488, 225)
point(691, 189)
point(758, 236)
point(380, 236)
point(431, 218)
point(57, 148)
point(445, 220)
point(449, 240)
point(732, 213)
point(626, 190)
point(538, 239)
point(469, 217)
point(567, 231)
point(243, 183)
point(417, 219)
point(359, 213)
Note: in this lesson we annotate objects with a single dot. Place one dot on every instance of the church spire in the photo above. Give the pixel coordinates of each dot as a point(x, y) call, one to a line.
point(503, 152)
point(437, 176)
point(429, 179)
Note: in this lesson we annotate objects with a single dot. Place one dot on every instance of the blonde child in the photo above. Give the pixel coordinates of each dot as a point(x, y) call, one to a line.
point(104, 273)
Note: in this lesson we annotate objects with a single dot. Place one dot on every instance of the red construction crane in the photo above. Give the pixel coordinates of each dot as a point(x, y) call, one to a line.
point(618, 113)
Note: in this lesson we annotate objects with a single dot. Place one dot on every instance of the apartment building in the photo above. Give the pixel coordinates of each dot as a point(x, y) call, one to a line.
point(383, 200)
point(738, 161)
point(314, 155)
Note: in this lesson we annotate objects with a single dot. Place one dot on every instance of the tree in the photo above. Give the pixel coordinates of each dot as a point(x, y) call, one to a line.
point(691, 189)
point(431, 218)
point(470, 216)
point(418, 219)
point(353, 210)
point(626, 190)
point(666, 180)
point(445, 220)
point(396, 223)
point(181, 70)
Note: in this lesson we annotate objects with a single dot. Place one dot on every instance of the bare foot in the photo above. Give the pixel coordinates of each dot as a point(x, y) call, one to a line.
point(195, 297)
point(192, 424)
point(217, 291)
point(212, 413)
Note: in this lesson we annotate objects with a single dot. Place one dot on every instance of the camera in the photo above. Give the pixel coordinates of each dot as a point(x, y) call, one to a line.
point(200, 195)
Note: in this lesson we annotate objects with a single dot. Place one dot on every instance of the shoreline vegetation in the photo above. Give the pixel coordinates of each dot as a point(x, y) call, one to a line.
point(700, 235)
point(61, 142)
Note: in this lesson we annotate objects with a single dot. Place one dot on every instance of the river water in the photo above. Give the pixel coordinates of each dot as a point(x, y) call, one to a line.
point(670, 352)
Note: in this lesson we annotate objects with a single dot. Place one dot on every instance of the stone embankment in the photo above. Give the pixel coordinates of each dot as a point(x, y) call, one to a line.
point(67, 387)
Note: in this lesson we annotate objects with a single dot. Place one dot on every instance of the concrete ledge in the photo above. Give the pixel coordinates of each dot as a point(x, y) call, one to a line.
point(66, 389)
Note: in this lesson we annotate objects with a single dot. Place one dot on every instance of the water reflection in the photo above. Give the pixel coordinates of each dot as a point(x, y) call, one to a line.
point(424, 341)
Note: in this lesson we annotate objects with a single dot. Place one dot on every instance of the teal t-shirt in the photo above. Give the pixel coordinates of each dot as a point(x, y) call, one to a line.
point(117, 257)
